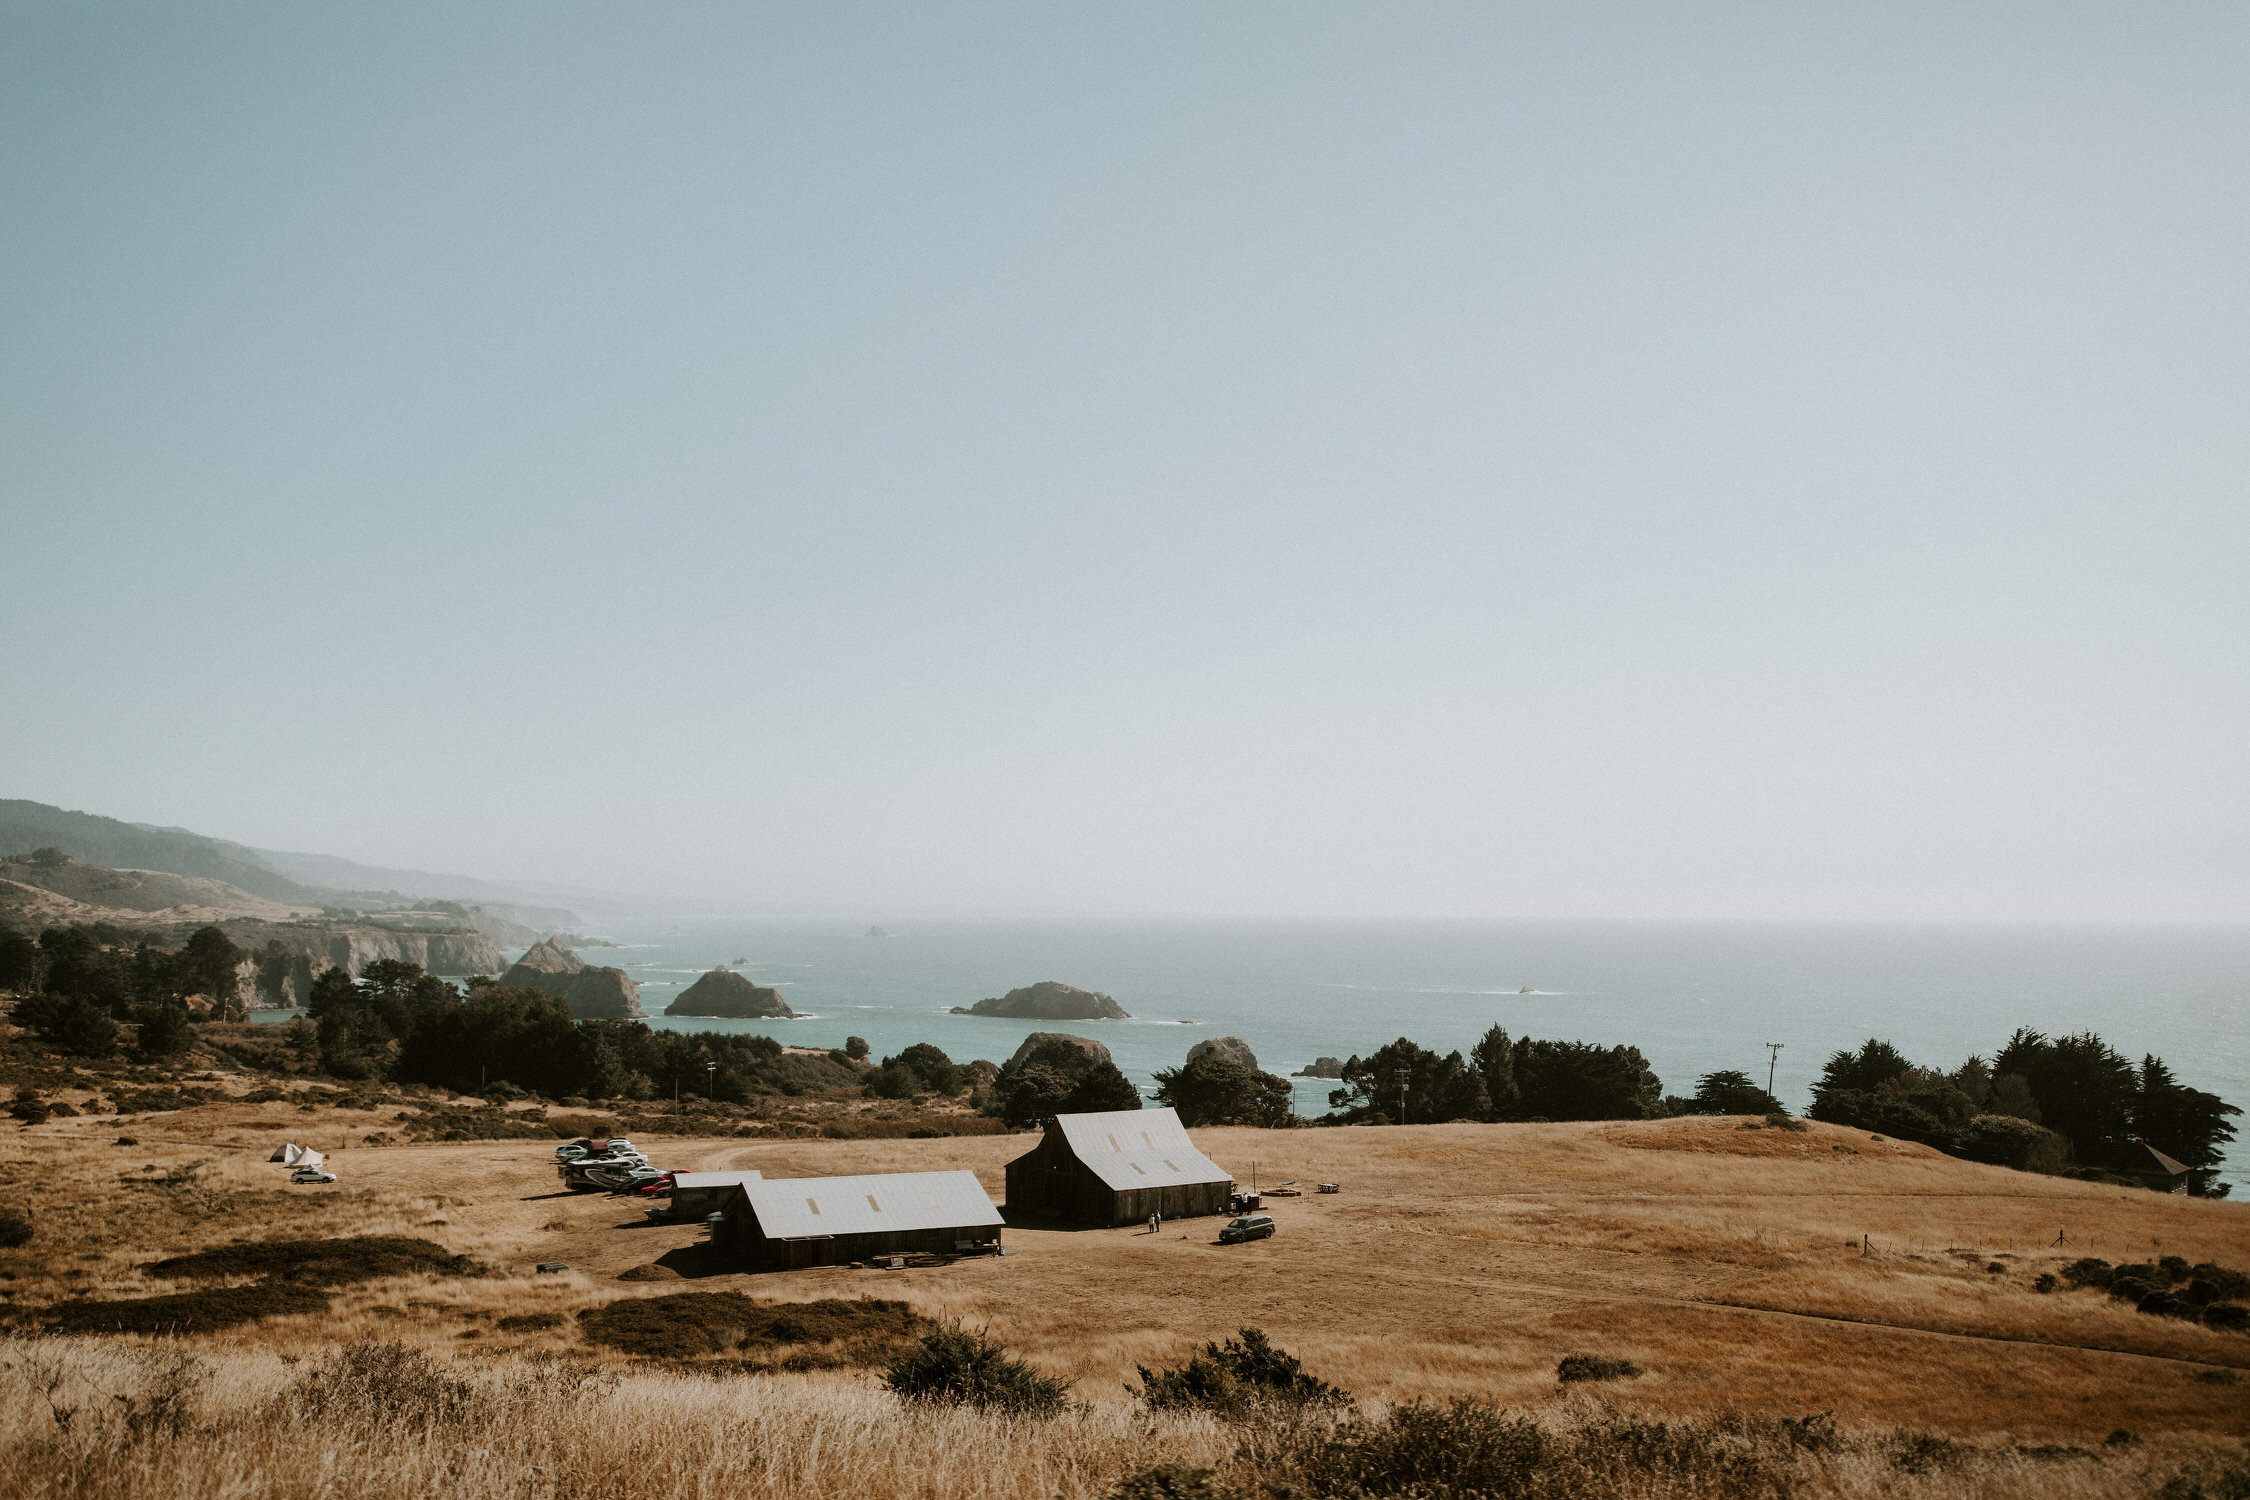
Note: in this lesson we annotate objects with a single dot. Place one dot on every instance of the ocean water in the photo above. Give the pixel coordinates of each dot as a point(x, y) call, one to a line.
point(1692, 996)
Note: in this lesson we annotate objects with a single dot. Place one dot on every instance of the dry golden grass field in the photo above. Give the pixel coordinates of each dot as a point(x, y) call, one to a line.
point(1752, 1272)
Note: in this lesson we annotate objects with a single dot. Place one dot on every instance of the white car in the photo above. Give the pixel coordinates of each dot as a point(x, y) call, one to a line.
point(311, 1175)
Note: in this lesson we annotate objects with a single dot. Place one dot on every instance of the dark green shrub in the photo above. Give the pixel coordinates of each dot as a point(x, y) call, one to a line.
point(2091, 1271)
point(2174, 1267)
point(1576, 1367)
point(320, 1262)
point(953, 1366)
point(388, 1382)
point(2232, 1316)
point(15, 1229)
point(2169, 1305)
point(685, 1325)
point(188, 1312)
point(1240, 1378)
point(1173, 1482)
point(1923, 1453)
point(531, 1322)
point(2045, 1282)
point(1459, 1447)
point(71, 1024)
point(2137, 1280)
point(2212, 1283)
point(165, 1031)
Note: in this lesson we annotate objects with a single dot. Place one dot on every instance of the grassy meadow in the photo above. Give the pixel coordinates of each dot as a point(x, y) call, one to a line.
point(1757, 1279)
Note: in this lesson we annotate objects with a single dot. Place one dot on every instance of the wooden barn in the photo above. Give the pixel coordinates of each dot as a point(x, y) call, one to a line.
point(1117, 1168)
point(695, 1194)
point(784, 1224)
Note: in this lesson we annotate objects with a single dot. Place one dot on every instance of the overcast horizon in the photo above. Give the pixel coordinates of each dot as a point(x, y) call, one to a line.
point(1307, 462)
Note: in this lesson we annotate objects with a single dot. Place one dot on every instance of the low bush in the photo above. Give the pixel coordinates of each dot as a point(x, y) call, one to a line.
point(2091, 1271)
point(15, 1229)
point(1173, 1482)
point(1241, 1378)
point(1577, 1367)
point(188, 1312)
point(531, 1322)
point(339, 1262)
point(688, 1325)
point(2233, 1317)
point(388, 1382)
point(954, 1367)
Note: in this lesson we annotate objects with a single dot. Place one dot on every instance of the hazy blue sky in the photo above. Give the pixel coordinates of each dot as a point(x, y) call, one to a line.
point(1203, 458)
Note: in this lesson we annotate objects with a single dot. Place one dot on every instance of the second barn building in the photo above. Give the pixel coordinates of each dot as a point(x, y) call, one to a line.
point(788, 1223)
point(1117, 1167)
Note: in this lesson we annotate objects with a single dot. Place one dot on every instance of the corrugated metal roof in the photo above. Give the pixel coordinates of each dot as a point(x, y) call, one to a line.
point(1138, 1148)
point(714, 1179)
point(790, 1208)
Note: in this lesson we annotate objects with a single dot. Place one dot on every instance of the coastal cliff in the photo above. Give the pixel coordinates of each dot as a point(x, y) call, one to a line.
point(724, 993)
point(311, 947)
point(592, 991)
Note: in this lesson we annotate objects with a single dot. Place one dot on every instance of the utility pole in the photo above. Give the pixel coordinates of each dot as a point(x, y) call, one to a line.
point(1773, 1055)
point(710, 1078)
point(1402, 1098)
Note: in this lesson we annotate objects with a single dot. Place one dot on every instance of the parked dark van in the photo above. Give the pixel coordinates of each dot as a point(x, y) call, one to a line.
point(1248, 1227)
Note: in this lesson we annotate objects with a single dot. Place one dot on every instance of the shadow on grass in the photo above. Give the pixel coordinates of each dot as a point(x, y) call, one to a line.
point(699, 1260)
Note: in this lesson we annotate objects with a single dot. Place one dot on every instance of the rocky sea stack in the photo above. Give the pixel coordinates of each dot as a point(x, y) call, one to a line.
point(722, 992)
point(592, 992)
point(1049, 1000)
point(1231, 1049)
point(1038, 1039)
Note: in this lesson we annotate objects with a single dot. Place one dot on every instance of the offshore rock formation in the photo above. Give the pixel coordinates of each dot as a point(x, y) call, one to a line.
point(1321, 1067)
point(593, 993)
point(1049, 1000)
point(1231, 1049)
point(722, 992)
point(1033, 1042)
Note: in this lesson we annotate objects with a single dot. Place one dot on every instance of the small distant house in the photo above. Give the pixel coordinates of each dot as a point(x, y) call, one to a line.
point(697, 1195)
point(2156, 1170)
point(788, 1223)
point(1117, 1167)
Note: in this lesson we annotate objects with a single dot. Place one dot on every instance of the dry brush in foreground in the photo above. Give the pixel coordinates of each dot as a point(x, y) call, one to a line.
point(85, 1418)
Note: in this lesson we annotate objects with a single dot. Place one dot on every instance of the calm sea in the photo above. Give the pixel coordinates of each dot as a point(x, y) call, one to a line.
point(1692, 996)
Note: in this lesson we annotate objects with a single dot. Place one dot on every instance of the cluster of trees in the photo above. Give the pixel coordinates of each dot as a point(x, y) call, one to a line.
point(2042, 1104)
point(1059, 1077)
point(79, 981)
point(1217, 1090)
point(1405, 1083)
point(401, 1023)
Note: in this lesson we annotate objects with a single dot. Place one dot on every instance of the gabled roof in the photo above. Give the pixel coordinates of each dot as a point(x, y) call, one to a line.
point(2165, 1164)
point(713, 1179)
point(1138, 1148)
point(790, 1208)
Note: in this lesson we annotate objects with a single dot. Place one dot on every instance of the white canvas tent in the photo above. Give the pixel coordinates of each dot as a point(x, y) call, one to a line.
point(296, 1156)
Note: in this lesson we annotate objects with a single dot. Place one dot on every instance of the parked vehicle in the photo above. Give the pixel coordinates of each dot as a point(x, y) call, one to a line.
point(591, 1173)
point(588, 1147)
point(638, 1180)
point(311, 1175)
point(1248, 1227)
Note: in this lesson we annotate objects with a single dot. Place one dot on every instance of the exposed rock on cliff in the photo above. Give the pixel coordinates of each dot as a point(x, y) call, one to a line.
point(1037, 1039)
point(1049, 1000)
point(1231, 1049)
point(722, 992)
point(593, 992)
